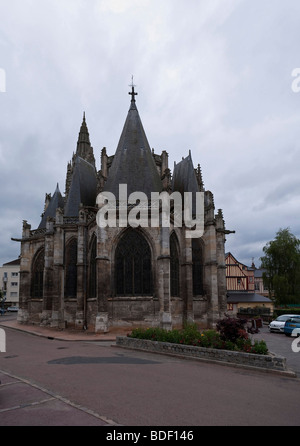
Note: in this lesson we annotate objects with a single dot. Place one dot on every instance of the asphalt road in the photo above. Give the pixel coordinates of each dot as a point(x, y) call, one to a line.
point(281, 345)
point(47, 382)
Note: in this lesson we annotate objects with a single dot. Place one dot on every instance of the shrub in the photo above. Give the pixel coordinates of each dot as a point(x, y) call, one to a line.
point(190, 335)
point(260, 347)
point(231, 329)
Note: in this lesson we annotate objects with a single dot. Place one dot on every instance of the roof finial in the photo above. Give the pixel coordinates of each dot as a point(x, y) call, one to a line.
point(132, 90)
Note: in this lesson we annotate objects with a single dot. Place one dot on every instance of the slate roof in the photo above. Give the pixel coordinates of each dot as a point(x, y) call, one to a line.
point(240, 297)
point(13, 262)
point(184, 178)
point(133, 163)
point(56, 201)
point(83, 187)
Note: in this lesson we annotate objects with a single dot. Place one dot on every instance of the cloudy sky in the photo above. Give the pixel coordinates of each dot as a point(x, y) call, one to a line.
point(214, 77)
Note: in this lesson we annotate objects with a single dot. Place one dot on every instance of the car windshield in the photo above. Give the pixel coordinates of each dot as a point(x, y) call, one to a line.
point(283, 318)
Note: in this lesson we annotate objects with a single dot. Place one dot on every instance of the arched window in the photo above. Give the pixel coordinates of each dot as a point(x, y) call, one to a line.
point(174, 265)
point(197, 267)
point(71, 269)
point(37, 278)
point(92, 269)
point(133, 270)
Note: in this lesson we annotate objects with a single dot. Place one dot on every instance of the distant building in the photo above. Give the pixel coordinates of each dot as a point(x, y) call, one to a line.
point(244, 284)
point(10, 281)
point(259, 283)
point(239, 277)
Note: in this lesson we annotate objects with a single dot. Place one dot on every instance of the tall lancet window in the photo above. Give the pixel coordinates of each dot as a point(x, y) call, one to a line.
point(92, 269)
point(37, 278)
point(133, 269)
point(71, 269)
point(174, 265)
point(197, 256)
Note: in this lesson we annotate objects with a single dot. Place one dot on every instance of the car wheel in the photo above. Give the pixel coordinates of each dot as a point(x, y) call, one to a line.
point(287, 334)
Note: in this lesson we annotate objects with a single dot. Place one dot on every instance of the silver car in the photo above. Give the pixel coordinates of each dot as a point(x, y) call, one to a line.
point(278, 324)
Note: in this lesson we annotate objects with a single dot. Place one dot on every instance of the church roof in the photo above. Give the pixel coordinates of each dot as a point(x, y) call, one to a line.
point(133, 163)
point(184, 178)
point(56, 201)
point(83, 189)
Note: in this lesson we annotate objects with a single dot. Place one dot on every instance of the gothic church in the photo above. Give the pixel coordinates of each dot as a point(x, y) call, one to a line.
point(74, 273)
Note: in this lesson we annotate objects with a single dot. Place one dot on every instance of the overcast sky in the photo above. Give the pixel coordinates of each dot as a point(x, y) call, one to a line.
point(213, 77)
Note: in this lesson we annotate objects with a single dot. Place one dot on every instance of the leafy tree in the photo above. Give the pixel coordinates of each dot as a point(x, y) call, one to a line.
point(282, 264)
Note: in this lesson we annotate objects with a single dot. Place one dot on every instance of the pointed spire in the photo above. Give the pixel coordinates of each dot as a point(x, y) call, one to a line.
point(199, 178)
point(133, 163)
point(84, 136)
point(84, 148)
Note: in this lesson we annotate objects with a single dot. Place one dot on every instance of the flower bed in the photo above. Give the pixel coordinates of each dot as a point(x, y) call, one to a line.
point(229, 344)
point(190, 335)
point(267, 362)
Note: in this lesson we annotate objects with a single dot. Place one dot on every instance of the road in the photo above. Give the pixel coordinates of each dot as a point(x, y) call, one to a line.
point(95, 383)
point(281, 345)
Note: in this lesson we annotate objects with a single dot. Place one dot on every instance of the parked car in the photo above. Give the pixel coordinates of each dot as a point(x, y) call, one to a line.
point(292, 326)
point(2, 311)
point(13, 308)
point(278, 324)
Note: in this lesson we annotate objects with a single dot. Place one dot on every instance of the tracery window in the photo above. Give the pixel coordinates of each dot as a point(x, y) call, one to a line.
point(92, 270)
point(37, 280)
point(71, 269)
point(133, 269)
point(174, 265)
point(197, 258)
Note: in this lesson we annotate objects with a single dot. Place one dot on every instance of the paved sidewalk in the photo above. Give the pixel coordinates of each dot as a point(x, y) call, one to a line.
point(66, 334)
point(25, 404)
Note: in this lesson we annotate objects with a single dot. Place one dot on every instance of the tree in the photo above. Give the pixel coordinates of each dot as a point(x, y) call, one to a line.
point(282, 264)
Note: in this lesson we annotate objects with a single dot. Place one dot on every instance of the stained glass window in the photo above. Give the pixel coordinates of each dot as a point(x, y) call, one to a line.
point(174, 265)
point(133, 270)
point(37, 281)
point(92, 269)
point(197, 267)
point(71, 269)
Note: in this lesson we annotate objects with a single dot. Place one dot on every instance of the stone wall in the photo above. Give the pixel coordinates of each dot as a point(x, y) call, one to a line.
point(265, 362)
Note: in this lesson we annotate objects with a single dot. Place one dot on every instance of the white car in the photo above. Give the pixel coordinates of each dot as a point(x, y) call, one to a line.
point(278, 324)
point(13, 308)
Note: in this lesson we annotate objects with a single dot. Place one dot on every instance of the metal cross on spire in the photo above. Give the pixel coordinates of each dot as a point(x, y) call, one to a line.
point(132, 93)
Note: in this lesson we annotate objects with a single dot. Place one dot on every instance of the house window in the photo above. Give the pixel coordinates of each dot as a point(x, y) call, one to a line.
point(14, 274)
point(14, 284)
point(71, 269)
point(37, 282)
point(133, 269)
point(174, 265)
